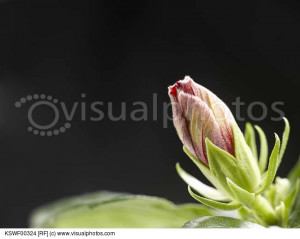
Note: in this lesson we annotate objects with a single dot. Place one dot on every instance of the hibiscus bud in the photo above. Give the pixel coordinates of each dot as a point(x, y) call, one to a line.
point(198, 114)
point(212, 138)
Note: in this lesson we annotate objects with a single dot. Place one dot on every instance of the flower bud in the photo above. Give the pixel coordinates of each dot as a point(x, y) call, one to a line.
point(199, 114)
point(215, 143)
point(210, 134)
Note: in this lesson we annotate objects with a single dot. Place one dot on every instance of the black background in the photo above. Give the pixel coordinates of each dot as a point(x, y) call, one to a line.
point(116, 51)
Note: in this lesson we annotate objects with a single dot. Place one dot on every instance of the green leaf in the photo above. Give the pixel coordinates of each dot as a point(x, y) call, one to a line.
point(41, 215)
point(285, 137)
point(116, 210)
point(263, 154)
point(250, 139)
point(272, 168)
point(219, 222)
point(294, 174)
point(294, 213)
point(241, 194)
point(214, 204)
point(200, 187)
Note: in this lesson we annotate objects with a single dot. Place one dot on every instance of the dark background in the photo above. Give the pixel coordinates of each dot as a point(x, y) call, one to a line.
point(118, 51)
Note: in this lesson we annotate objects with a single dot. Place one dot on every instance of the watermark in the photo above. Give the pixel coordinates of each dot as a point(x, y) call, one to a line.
point(62, 114)
point(36, 101)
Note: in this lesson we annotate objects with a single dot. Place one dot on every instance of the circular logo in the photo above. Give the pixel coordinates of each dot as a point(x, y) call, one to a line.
point(38, 101)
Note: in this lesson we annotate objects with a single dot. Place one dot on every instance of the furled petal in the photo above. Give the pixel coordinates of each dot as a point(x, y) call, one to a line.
point(200, 114)
point(180, 122)
point(220, 111)
point(201, 124)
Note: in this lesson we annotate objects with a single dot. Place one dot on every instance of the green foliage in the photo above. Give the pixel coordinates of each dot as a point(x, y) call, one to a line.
point(293, 220)
point(292, 202)
point(250, 139)
point(215, 204)
point(294, 174)
point(200, 187)
point(116, 210)
point(241, 194)
point(285, 138)
point(246, 163)
point(220, 222)
point(269, 176)
point(264, 150)
point(241, 182)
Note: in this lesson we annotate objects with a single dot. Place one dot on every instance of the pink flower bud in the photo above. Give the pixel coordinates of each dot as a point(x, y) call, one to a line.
point(199, 114)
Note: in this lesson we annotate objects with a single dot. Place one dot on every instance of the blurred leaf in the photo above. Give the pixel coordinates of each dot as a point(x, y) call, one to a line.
point(288, 202)
point(116, 210)
point(294, 174)
point(219, 222)
point(294, 213)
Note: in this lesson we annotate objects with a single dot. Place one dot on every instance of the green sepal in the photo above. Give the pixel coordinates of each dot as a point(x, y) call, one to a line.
point(222, 165)
point(285, 137)
point(219, 222)
point(250, 139)
point(241, 194)
point(246, 162)
point(294, 174)
point(205, 170)
point(269, 175)
point(263, 154)
point(214, 204)
point(198, 186)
